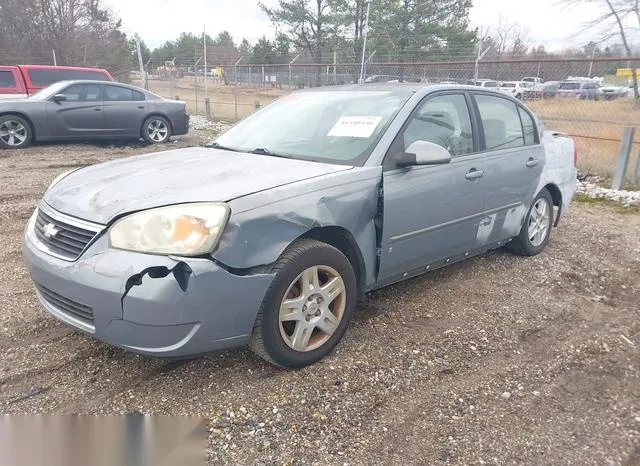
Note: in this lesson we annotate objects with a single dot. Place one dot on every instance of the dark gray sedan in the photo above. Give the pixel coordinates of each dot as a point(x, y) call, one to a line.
point(86, 110)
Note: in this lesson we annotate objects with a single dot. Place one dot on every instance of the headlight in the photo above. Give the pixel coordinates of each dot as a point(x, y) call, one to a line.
point(61, 176)
point(183, 230)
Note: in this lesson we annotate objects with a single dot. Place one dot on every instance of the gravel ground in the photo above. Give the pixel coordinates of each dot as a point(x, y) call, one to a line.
point(498, 360)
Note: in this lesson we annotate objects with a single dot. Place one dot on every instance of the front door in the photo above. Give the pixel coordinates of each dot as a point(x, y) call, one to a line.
point(79, 114)
point(431, 213)
point(513, 165)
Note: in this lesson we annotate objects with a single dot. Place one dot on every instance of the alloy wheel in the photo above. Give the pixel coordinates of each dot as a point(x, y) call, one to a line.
point(539, 220)
point(13, 133)
point(157, 130)
point(312, 308)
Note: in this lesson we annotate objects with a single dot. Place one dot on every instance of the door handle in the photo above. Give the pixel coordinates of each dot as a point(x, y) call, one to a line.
point(532, 162)
point(141, 107)
point(474, 174)
point(97, 109)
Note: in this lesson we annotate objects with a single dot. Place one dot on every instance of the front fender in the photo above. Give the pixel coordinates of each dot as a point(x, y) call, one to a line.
point(262, 225)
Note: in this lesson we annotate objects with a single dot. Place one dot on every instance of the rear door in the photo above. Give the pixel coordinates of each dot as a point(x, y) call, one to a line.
point(432, 213)
point(79, 115)
point(11, 83)
point(124, 110)
point(513, 160)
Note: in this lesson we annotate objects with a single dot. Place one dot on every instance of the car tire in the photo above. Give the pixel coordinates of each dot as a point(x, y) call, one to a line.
point(15, 132)
point(299, 324)
point(536, 228)
point(156, 129)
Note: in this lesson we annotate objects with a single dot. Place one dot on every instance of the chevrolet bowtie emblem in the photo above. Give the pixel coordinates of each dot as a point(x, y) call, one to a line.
point(50, 230)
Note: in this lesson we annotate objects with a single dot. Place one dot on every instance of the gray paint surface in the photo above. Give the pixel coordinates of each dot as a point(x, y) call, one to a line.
point(53, 121)
point(401, 222)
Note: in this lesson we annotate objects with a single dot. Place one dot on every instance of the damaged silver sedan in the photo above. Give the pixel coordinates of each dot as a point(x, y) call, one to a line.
point(271, 234)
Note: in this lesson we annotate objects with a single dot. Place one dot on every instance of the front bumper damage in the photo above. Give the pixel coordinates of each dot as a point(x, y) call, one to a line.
point(153, 305)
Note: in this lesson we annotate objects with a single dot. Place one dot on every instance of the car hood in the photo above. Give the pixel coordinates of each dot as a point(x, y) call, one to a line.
point(99, 193)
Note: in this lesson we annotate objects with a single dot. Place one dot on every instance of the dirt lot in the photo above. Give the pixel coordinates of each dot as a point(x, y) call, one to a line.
point(499, 360)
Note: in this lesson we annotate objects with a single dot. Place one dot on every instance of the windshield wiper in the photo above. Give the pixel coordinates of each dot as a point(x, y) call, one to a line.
point(215, 145)
point(265, 151)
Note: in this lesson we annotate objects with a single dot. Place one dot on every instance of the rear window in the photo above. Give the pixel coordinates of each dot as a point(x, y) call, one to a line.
point(569, 86)
point(45, 77)
point(508, 85)
point(7, 79)
point(491, 84)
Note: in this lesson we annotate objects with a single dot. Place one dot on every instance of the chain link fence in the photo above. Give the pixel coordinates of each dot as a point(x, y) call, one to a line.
point(595, 116)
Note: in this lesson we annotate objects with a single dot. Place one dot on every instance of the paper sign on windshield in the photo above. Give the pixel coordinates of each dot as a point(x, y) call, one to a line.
point(355, 127)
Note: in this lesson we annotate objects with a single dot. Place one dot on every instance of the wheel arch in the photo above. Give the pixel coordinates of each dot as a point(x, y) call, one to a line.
point(156, 113)
point(25, 117)
point(342, 239)
point(556, 196)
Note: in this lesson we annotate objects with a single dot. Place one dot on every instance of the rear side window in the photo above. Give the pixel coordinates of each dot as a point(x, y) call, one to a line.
point(45, 77)
point(501, 122)
point(491, 84)
point(7, 79)
point(528, 127)
point(122, 94)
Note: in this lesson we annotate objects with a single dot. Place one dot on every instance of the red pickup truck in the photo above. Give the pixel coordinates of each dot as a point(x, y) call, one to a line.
point(23, 80)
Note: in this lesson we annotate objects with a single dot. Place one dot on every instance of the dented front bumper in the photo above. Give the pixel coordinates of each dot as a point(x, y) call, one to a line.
point(154, 305)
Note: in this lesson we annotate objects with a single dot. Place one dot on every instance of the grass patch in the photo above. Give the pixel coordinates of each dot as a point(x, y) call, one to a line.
point(619, 208)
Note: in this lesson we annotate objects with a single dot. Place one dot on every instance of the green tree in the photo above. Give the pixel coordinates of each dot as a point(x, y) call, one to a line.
point(307, 23)
point(224, 38)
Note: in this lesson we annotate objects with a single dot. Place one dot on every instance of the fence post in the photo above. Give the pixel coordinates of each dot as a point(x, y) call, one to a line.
point(636, 171)
point(623, 158)
point(256, 104)
point(207, 106)
point(235, 101)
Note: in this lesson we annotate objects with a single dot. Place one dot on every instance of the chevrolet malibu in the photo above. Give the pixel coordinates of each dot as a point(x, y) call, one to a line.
point(271, 234)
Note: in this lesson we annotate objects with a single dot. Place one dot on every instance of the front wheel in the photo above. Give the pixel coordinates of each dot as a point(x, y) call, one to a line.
point(536, 229)
point(15, 132)
point(156, 130)
point(307, 308)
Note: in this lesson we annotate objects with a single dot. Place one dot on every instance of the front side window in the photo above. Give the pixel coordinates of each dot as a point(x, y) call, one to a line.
point(340, 127)
point(443, 120)
point(7, 79)
point(501, 122)
point(82, 93)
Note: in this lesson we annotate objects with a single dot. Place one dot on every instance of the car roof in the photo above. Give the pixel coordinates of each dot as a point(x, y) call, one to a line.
point(422, 88)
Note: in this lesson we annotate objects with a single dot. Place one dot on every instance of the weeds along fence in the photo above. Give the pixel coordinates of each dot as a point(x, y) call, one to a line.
point(594, 118)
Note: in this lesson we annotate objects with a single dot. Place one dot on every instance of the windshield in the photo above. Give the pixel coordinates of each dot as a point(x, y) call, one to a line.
point(48, 91)
point(339, 127)
point(569, 86)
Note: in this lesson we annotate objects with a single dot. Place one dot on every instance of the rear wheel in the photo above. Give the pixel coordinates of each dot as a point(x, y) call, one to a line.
point(15, 132)
point(536, 229)
point(307, 309)
point(156, 130)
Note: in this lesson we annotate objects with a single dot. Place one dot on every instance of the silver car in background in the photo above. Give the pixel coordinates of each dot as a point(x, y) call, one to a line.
point(90, 110)
point(271, 235)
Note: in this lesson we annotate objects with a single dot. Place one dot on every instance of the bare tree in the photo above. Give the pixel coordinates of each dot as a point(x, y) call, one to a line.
point(506, 38)
point(617, 19)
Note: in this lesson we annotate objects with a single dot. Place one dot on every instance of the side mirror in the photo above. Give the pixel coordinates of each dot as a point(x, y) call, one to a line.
point(423, 153)
point(59, 98)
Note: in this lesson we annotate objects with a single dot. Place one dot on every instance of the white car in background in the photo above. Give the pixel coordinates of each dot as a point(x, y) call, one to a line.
point(515, 89)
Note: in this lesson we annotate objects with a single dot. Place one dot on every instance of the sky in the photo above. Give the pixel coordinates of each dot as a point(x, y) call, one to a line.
point(546, 22)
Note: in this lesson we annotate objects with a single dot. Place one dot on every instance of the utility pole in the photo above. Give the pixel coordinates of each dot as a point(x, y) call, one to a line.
point(204, 45)
point(143, 75)
point(481, 54)
point(290, 74)
point(593, 54)
point(364, 42)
